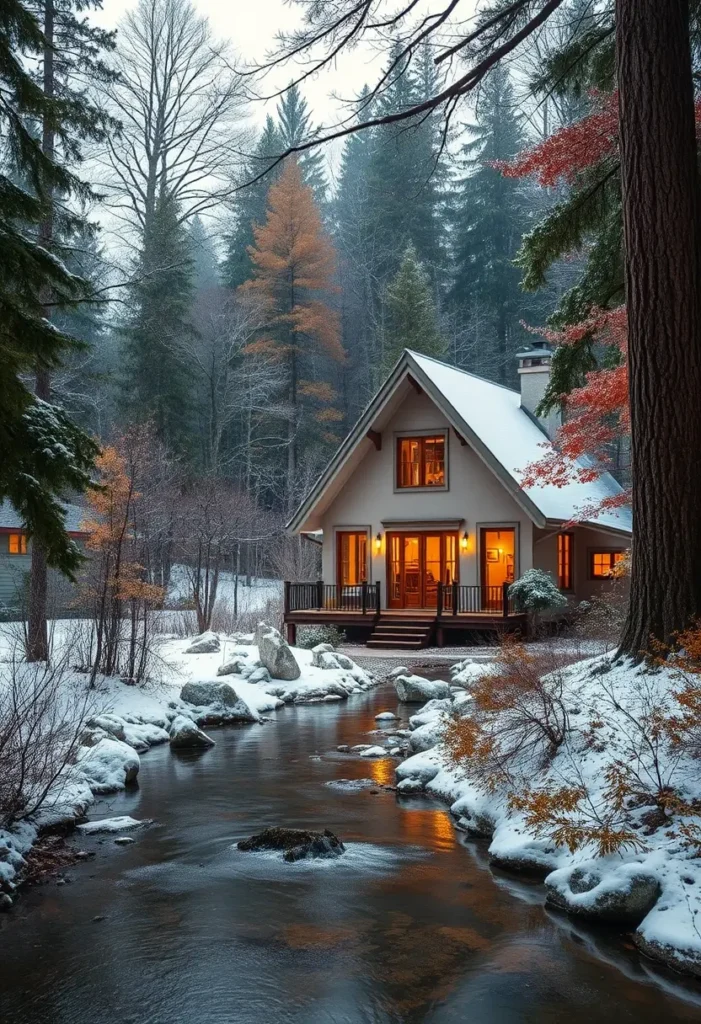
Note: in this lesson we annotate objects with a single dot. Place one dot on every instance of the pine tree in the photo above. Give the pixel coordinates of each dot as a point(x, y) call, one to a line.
point(491, 217)
point(205, 266)
point(294, 263)
point(403, 185)
point(157, 381)
point(44, 453)
point(250, 204)
point(411, 313)
point(295, 127)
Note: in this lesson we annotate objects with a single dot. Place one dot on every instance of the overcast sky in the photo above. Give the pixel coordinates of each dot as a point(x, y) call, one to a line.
point(250, 26)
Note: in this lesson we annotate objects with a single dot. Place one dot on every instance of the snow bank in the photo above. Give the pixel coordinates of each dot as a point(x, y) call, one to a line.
point(658, 887)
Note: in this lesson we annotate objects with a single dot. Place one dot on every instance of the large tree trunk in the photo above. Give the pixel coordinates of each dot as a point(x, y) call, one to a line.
point(37, 631)
point(661, 212)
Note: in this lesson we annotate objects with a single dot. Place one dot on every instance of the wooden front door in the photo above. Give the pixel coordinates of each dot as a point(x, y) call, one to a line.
point(416, 563)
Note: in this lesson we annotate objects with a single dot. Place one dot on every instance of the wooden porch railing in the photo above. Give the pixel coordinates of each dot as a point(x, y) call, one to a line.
point(456, 599)
point(319, 596)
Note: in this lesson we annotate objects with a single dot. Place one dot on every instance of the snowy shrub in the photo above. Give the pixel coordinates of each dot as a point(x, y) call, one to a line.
point(310, 636)
point(43, 711)
point(645, 727)
point(515, 721)
point(536, 591)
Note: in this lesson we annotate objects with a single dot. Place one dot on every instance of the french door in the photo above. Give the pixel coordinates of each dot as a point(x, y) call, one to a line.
point(416, 564)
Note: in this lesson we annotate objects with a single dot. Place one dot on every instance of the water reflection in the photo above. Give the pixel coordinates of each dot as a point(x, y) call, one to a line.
point(412, 927)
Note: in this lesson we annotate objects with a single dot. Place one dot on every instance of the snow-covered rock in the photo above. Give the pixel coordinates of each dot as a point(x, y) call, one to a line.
point(375, 751)
point(109, 766)
point(185, 735)
point(206, 643)
point(429, 734)
point(276, 654)
point(624, 894)
point(413, 689)
point(218, 695)
point(234, 666)
point(386, 716)
point(123, 823)
point(421, 769)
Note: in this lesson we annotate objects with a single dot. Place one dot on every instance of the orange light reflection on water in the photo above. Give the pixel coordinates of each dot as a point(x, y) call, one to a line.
point(429, 825)
point(381, 771)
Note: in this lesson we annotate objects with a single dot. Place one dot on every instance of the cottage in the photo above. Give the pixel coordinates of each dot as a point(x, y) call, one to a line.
point(16, 558)
point(423, 519)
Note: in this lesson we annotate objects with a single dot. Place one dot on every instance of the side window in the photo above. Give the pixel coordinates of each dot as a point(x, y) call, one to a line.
point(602, 563)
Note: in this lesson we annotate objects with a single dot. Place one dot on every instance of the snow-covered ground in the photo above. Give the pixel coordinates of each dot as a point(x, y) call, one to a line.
point(122, 721)
point(659, 878)
point(230, 591)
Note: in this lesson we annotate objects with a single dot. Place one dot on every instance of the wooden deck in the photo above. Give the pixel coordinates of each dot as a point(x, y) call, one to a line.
point(364, 612)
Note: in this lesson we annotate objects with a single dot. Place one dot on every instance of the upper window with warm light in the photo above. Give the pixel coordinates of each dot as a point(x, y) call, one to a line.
point(421, 461)
point(17, 544)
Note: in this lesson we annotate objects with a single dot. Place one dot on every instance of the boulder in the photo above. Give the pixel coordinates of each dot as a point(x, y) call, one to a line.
point(109, 766)
point(205, 643)
point(427, 735)
point(123, 823)
point(276, 654)
point(411, 786)
point(232, 667)
point(386, 716)
point(222, 695)
point(295, 843)
point(417, 690)
point(419, 767)
point(185, 735)
point(622, 897)
point(373, 752)
point(318, 652)
point(259, 675)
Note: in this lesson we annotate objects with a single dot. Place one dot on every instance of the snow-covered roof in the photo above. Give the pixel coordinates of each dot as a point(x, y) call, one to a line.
point(10, 519)
point(490, 418)
point(495, 415)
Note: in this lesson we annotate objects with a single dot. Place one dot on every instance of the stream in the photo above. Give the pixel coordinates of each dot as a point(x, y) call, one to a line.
point(409, 926)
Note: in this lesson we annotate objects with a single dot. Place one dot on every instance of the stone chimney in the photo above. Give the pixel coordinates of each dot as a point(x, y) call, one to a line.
point(534, 375)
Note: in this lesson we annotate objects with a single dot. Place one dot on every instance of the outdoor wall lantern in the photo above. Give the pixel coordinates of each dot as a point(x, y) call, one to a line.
point(378, 543)
point(464, 541)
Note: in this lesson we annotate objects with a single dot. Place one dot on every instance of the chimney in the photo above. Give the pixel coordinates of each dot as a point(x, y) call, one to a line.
point(534, 375)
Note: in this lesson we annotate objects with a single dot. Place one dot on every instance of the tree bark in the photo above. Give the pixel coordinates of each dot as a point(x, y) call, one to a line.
point(661, 215)
point(37, 630)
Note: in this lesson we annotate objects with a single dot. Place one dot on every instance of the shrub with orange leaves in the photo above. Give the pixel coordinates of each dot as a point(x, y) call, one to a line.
point(516, 719)
point(115, 584)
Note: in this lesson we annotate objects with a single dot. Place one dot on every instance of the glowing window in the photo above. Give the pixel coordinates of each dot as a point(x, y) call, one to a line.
point(421, 462)
point(17, 544)
point(565, 544)
point(604, 562)
point(352, 558)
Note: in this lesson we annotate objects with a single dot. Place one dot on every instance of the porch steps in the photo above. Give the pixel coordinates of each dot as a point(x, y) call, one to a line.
point(403, 634)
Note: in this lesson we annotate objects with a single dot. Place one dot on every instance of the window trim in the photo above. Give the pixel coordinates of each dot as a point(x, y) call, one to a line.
point(569, 535)
point(21, 545)
point(592, 552)
point(421, 435)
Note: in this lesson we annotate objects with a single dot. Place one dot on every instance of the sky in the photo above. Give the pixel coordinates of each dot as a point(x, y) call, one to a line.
point(251, 26)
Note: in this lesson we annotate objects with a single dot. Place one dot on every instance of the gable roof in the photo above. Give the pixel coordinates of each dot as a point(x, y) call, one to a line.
point(10, 519)
point(490, 418)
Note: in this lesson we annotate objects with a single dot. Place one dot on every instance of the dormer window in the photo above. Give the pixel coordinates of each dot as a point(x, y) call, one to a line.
point(421, 461)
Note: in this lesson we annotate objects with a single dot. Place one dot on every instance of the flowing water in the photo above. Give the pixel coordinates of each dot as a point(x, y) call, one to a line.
point(410, 925)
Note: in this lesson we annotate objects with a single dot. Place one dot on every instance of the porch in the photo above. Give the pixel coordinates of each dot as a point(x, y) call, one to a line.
point(470, 609)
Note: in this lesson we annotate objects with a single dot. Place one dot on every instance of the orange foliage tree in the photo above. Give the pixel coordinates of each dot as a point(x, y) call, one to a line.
point(115, 583)
point(294, 270)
